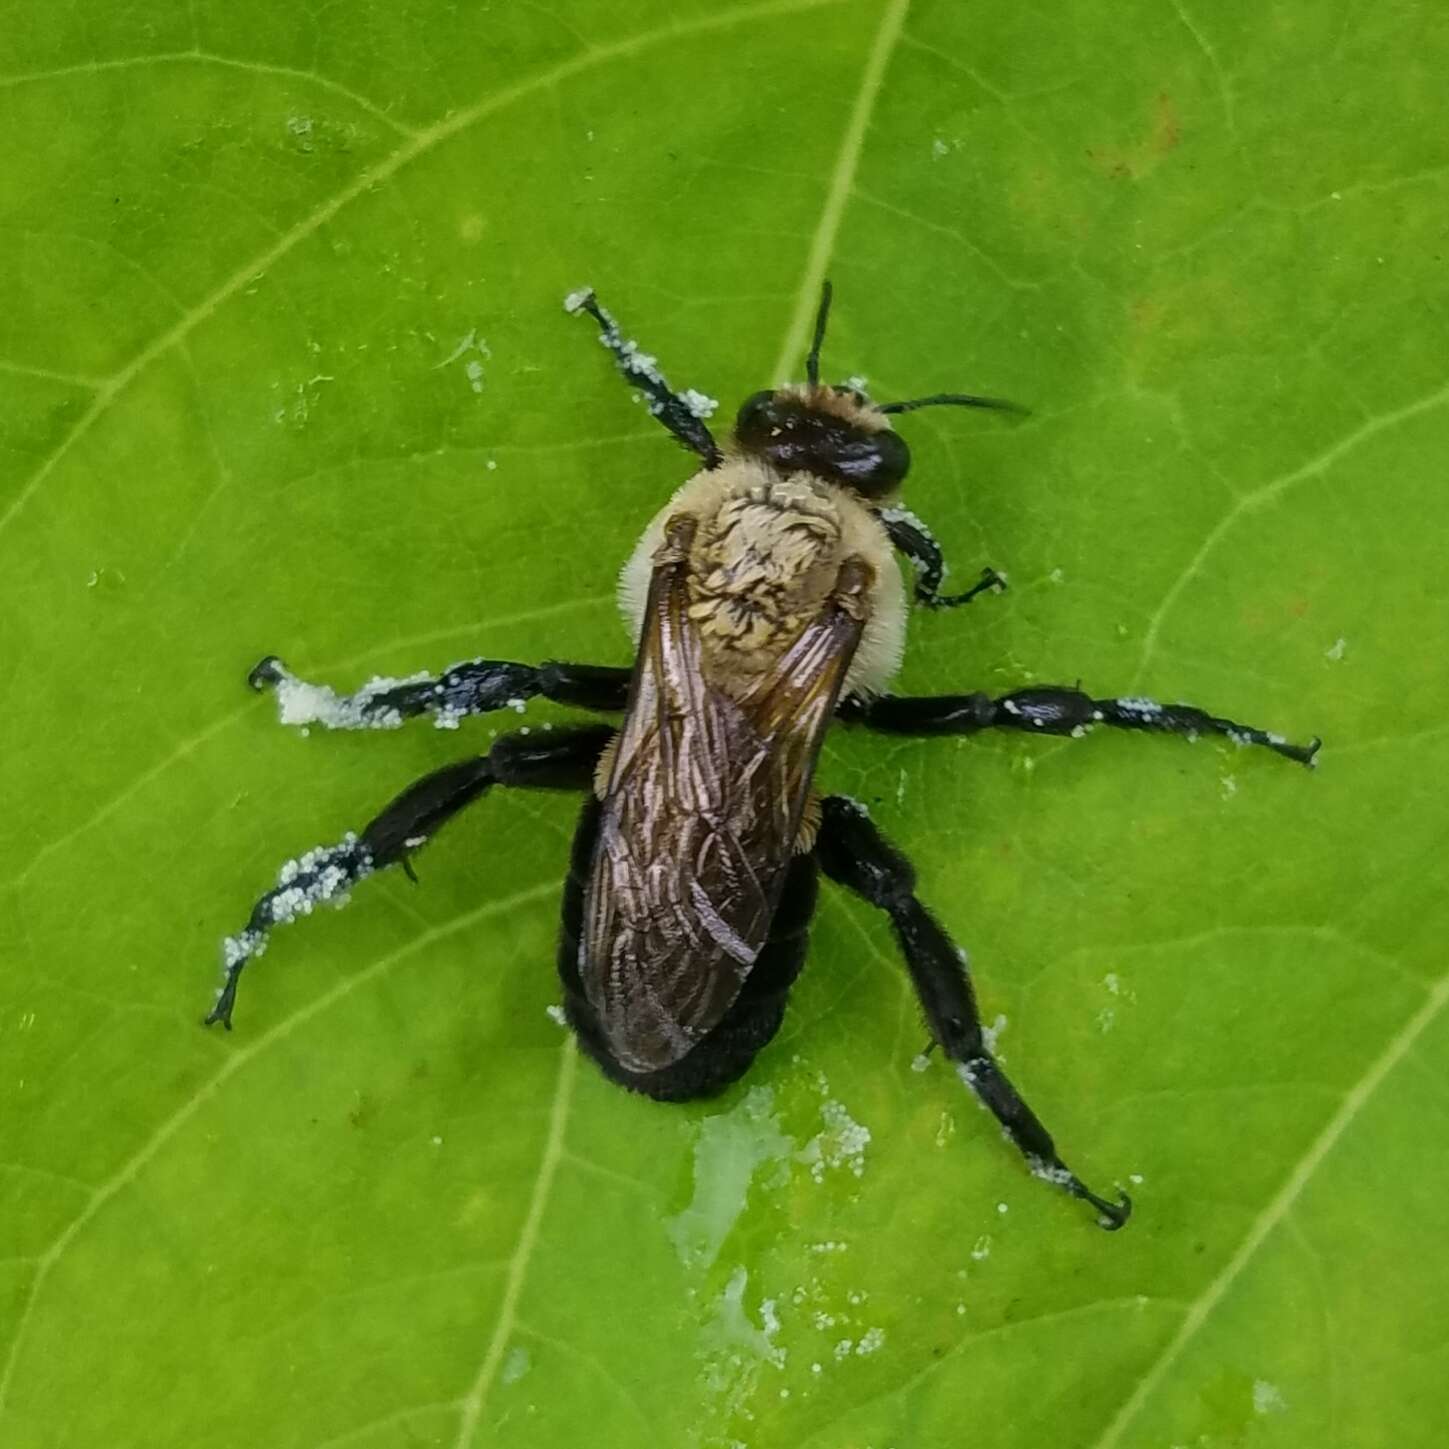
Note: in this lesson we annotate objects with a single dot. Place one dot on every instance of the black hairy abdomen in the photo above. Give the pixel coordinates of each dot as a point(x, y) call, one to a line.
point(725, 1053)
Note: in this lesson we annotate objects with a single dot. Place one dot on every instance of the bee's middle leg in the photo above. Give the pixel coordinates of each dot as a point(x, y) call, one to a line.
point(1051, 709)
point(555, 760)
point(476, 686)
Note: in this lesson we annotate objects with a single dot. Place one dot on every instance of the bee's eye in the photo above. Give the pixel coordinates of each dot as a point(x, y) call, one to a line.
point(878, 465)
point(756, 416)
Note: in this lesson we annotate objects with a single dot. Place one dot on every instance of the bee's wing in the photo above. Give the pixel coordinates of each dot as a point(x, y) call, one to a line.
point(699, 821)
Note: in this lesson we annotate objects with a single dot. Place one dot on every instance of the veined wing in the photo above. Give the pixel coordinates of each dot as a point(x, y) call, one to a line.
point(701, 813)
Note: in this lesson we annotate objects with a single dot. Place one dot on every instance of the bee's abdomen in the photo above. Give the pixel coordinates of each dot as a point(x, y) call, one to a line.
point(725, 1053)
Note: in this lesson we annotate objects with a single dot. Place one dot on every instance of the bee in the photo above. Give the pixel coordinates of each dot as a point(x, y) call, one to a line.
point(766, 601)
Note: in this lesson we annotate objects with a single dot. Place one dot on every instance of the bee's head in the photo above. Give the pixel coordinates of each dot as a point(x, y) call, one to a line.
point(836, 432)
point(832, 432)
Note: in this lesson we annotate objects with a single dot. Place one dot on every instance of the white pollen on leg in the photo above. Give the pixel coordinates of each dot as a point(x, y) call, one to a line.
point(700, 405)
point(1136, 704)
point(300, 703)
point(242, 947)
point(1052, 1172)
point(315, 878)
point(896, 514)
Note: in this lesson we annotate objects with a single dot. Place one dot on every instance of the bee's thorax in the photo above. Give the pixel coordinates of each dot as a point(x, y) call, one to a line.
point(765, 559)
point(762, 567)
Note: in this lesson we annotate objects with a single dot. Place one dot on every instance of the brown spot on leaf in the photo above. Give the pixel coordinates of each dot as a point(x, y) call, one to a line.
point(1168, 131)
point(1135, 160)
point(1146, 313)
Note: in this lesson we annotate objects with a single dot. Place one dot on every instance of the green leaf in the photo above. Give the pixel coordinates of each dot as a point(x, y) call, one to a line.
point(285, 368)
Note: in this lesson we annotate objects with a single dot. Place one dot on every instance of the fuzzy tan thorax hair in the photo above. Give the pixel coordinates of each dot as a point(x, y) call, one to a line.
point(764, 559)
point(762, 567)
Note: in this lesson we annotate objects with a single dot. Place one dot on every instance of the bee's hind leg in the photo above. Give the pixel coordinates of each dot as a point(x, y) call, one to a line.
point(911, 537)
point(682, 413)
point(476, 686)
point(853, 852)
point(556, 760)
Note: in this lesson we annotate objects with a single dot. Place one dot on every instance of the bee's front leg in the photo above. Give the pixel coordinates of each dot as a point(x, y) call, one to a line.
point(911, 537)
point(682, 413)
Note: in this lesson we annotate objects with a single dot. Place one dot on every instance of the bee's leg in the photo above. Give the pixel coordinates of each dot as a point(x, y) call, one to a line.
point(853, 852)
point(912, 538)
point(557, 760)
point(474, 687)
point(1056, 710)
point(682, 413)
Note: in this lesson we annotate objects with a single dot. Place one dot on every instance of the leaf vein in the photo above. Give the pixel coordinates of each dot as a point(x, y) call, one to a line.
point(132, 1167)
point(1267, 493)
point(553, 1151)
point(842, 182)
point(419, 144)
point(1277, 1210)
point(206, 57)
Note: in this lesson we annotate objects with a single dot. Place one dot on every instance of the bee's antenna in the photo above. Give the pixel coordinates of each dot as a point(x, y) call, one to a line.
point(812, 362)
point(954, 399)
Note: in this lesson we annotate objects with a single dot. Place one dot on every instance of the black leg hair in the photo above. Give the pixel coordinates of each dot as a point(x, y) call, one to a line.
point(557, 760)
point(1056, 710)
point(853, 852)
point(682, 413)
point(912, 538)
point(474, 687)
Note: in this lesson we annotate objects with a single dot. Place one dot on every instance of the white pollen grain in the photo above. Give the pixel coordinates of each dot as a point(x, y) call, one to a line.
point(1267, 1399)
point(990, 1035)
